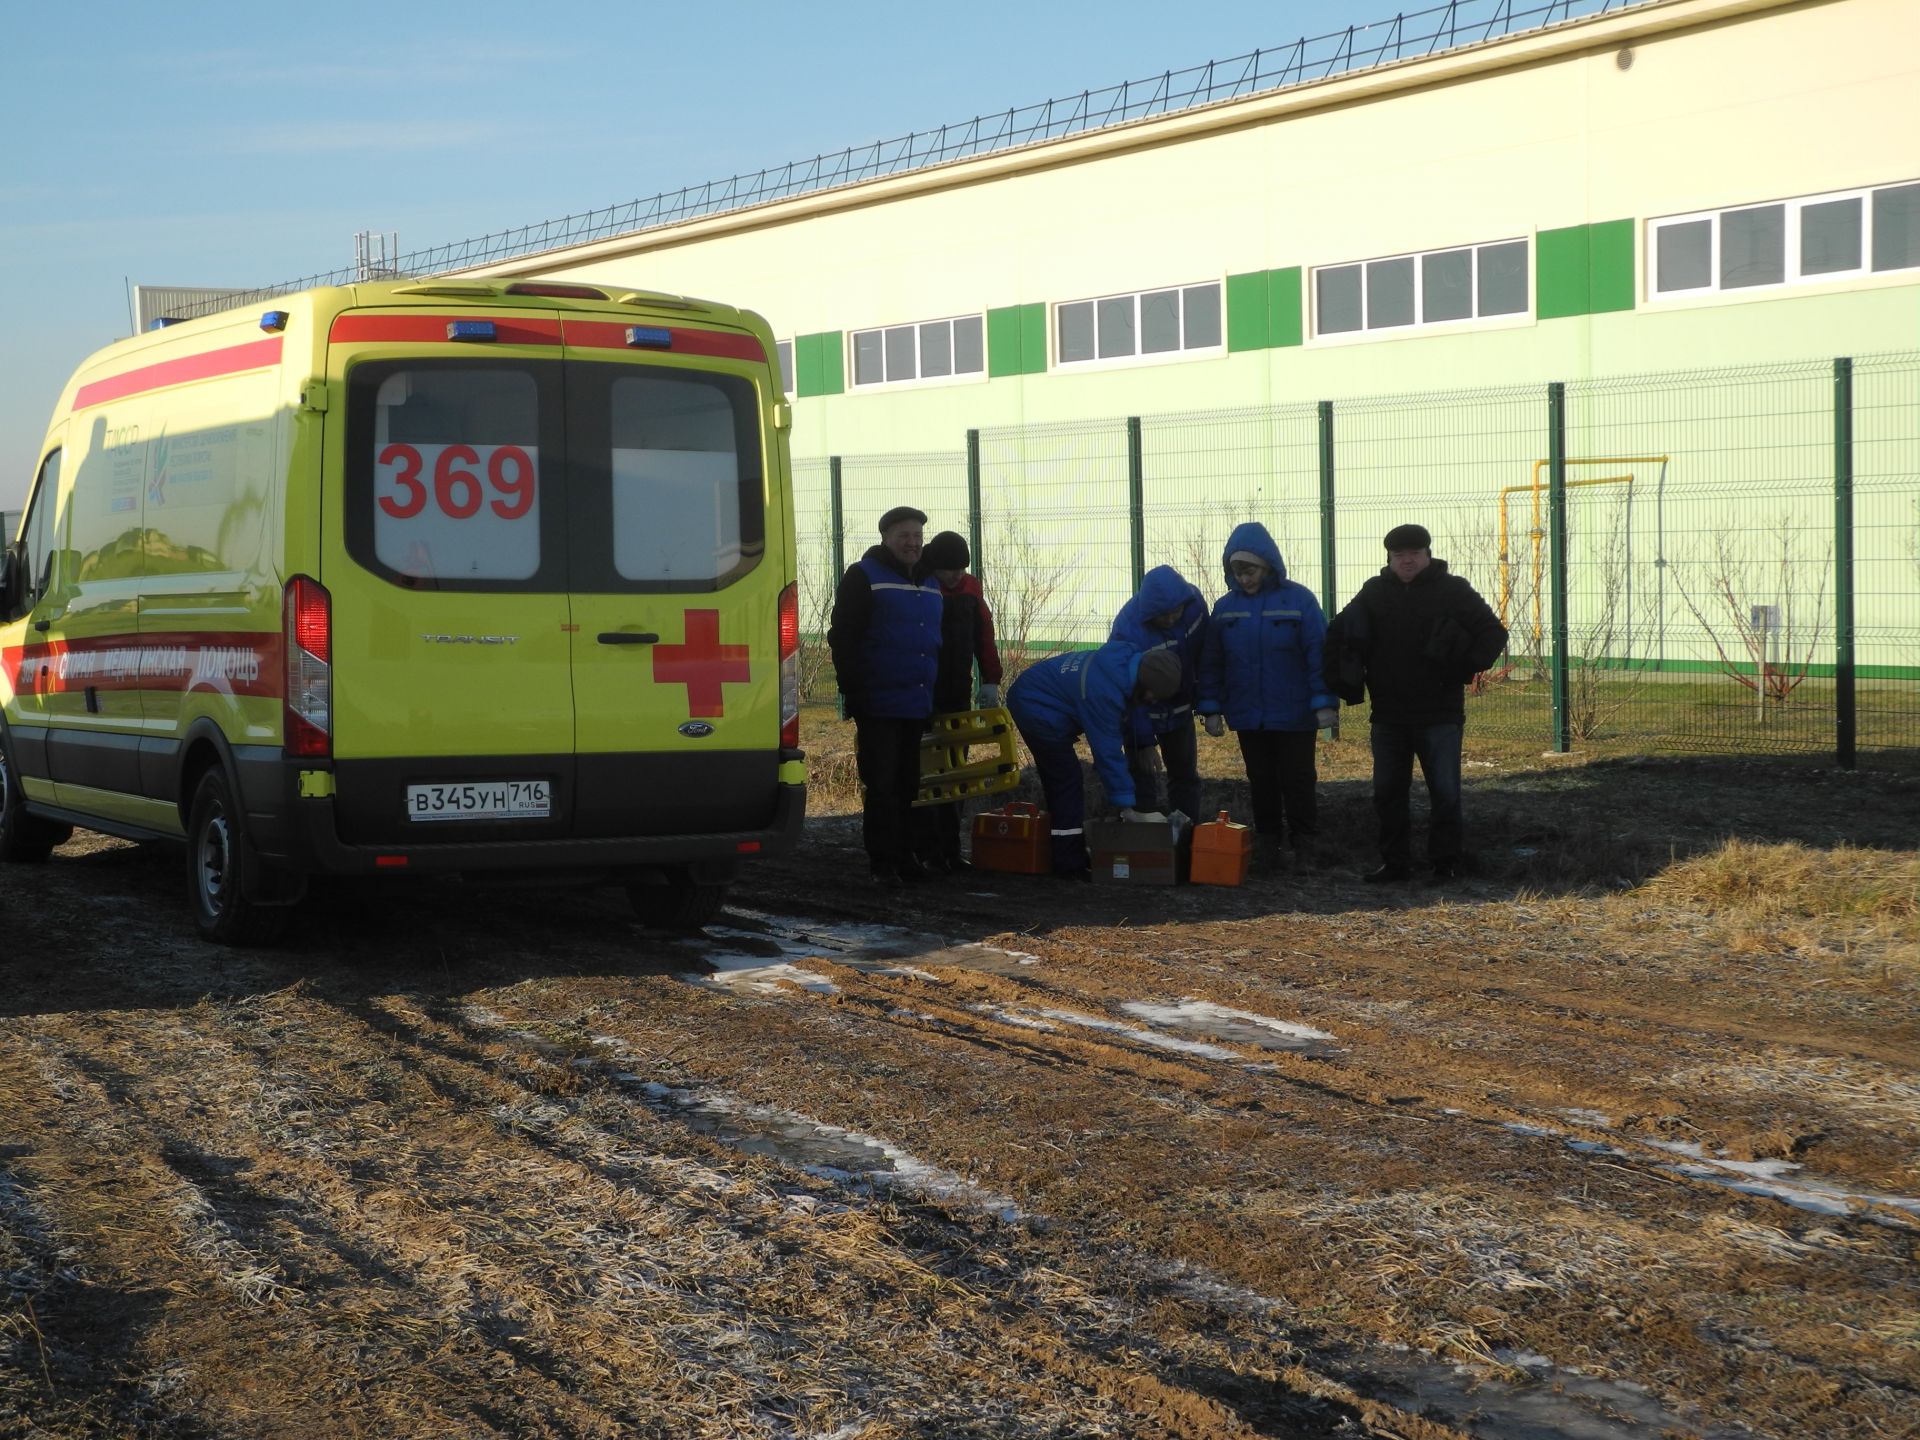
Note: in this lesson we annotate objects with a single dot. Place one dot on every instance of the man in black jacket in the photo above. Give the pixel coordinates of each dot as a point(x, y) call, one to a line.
point(1414, 635)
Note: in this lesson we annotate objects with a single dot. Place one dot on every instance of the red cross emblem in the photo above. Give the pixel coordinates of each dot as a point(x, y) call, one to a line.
point(702, 664)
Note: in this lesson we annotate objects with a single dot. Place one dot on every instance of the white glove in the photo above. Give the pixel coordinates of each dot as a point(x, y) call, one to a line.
point(1143, 817)
point(1129, 814)
point(1216, 725)
point(989, 698)
point(1326, 715)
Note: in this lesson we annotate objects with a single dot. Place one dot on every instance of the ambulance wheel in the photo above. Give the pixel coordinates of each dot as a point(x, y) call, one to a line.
point(23, 837)
point(217, 858)
point(682, 903)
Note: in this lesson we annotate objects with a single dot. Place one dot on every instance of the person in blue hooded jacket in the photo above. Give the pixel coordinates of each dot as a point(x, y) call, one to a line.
point(1261, 674)
point(1085, 692)
point(1168, 614)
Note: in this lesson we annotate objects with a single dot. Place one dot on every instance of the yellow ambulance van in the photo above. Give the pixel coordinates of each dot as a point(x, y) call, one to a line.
point(489, 576)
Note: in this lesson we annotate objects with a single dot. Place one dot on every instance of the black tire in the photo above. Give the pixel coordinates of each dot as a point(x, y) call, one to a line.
point(683, 903)
point(217, 857)
point(24, 839)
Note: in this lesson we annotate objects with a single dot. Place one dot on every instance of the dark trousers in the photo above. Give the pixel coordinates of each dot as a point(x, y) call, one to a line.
point(1059, 767)
point(1282, 773)
point(888, 752)
point(1180, 753)
point(1395, 748)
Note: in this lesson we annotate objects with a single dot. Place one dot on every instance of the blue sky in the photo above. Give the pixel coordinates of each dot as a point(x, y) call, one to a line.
point(230, 144)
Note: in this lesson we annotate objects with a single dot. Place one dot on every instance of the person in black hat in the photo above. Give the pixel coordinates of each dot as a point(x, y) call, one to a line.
point(966, 644)
point(1413, 637)
point(884, 635)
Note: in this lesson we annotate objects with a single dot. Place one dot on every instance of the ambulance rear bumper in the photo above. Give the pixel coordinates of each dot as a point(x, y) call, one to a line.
point(309, 842)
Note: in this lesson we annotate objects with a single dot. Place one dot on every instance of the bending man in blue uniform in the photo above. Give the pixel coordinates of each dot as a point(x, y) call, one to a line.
point(1085, 692)
point(1168, 614)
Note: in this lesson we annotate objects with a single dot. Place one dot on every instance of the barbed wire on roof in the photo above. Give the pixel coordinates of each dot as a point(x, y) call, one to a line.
point(1409, 35)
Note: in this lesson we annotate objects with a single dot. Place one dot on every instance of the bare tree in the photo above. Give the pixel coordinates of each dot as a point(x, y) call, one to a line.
point(1779, 634)
point(1022, 578)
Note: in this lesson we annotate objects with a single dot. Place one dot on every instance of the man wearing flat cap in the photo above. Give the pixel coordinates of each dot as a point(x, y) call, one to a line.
point(885, 638)
point(1414, 636)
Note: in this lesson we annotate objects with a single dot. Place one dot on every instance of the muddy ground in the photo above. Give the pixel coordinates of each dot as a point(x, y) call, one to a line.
point(1618, 1137)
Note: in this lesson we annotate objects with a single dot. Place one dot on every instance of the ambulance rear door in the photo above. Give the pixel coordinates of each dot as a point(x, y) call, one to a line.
point(447, 549)
point(676, 584)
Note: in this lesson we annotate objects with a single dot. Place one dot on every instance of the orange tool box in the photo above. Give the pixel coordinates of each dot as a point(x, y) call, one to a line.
point(1014, 838)
point(1221, 852)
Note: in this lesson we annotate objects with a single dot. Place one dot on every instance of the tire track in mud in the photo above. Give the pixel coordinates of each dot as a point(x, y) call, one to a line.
point(771, 1264)
point(1661, 1238)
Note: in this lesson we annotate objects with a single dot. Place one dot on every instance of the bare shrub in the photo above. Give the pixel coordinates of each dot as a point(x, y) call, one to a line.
point(1780, 634)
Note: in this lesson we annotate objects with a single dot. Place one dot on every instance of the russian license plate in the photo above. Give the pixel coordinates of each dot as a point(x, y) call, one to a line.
point(481, 800)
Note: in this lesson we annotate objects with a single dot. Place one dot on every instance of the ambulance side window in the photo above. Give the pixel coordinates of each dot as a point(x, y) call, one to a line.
point(38, 533)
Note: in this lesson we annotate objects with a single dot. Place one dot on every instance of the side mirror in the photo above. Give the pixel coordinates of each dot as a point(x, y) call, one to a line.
point(12, 568)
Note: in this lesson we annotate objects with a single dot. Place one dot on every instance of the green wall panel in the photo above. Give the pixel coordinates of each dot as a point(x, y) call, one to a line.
point(1017, 340)
point(1611, 249)
point(1285, 315)
point(1247, 312)
point(1584, 269)
point(817, 366)
point(1033, 338)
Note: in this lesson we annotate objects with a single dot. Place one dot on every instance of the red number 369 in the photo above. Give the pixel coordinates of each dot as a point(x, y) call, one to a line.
point(457, 490)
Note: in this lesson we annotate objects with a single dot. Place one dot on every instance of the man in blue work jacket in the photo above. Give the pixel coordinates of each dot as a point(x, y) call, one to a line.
point(1085, 692)
point(885, 637)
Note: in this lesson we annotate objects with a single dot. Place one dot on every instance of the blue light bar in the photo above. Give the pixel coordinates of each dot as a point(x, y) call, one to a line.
point(470, 330)
point(160, 322)
point(274, 320)
point(649, 337)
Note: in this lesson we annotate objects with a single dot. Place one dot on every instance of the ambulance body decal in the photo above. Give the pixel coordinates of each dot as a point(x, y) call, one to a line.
point(237, 663)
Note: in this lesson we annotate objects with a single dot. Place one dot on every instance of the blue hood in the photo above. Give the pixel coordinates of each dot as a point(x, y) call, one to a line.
point(1163, 588)
point(1253, 537)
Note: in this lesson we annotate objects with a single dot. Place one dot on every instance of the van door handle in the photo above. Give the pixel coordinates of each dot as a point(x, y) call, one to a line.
point(43, 625)
point(628, 637)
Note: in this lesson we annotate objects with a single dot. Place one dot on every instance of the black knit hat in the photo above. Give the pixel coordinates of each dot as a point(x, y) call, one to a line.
point(901, 512)
point(1159, 673)
point(1409, 537)
point(946, 551)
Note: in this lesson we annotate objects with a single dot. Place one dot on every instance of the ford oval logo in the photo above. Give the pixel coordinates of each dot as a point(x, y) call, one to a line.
point(696, 729)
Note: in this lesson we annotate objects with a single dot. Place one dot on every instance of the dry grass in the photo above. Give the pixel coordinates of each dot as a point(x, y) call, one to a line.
point(1796, 896)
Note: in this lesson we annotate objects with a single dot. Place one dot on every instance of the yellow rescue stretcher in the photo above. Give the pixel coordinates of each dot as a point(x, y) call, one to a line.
point(967, 753)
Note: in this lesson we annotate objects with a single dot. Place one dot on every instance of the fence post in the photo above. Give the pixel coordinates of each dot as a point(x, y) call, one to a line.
point(1328, 592)
point(1136, 501)
point(973, 497)
point(1846, 718)
point(1557, 558)
point(839, 519)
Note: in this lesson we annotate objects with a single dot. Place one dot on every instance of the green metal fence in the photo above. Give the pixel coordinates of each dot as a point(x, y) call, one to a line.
point(1722, 561)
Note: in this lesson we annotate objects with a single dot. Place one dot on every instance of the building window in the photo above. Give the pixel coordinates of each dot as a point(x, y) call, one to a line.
point(1786, 242)
point(931, 350)
point(1143, 324)
point(783, 352)
point(1435, 287)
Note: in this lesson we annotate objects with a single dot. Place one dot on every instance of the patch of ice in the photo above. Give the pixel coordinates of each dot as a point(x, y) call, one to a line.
point(1144, 1037)
point(1010, 1017)
point(1588, 1117)
point(752, 972)
point(1199, 1013)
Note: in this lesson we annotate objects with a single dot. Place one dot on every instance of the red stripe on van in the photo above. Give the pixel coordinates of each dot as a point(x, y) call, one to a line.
point(254, 355)
point(239, 662)
point(432, 330)
point(727, 344)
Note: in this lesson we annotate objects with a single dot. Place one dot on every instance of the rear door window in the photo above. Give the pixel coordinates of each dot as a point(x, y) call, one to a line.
point(669, 491)
point(449, 466)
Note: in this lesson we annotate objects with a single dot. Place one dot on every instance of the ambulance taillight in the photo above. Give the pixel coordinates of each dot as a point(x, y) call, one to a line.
point(309, 651)
point(790, 667)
